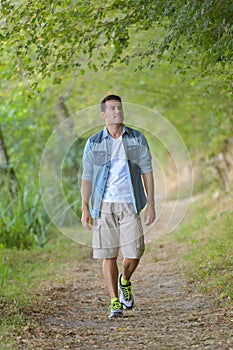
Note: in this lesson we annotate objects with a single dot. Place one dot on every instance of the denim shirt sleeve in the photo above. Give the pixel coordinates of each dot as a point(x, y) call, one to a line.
point(144, 159)
point(87, 163)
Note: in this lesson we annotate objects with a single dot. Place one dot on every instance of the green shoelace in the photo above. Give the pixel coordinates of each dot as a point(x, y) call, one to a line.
point(127, 291)
point(116, 305)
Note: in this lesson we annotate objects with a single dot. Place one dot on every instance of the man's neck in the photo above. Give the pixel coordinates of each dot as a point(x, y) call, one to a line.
point(115, 130)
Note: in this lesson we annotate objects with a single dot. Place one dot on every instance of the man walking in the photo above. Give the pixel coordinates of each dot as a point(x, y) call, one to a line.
point(117, 183)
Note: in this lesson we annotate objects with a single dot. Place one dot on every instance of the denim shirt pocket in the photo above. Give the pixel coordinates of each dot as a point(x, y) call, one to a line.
point(99, 157)
point(132, 153)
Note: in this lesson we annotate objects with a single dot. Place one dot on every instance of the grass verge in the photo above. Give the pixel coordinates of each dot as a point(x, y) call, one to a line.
point(208, 234)
point(22, 273)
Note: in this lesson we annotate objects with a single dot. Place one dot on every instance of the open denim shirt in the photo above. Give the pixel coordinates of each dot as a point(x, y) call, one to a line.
point(97, 162)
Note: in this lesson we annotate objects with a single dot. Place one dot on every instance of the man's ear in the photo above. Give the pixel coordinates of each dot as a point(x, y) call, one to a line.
point(102, 114)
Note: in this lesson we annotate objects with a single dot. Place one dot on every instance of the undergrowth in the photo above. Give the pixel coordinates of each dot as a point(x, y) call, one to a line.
point(209, 236)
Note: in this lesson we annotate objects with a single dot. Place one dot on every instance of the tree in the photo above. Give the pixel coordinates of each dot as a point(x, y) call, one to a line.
point(47, 38)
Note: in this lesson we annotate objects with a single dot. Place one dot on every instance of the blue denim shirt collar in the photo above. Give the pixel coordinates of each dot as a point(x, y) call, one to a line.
point(106, 133)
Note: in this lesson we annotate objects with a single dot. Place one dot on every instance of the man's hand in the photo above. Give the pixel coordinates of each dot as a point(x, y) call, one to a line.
point(150, 215)
point(86, 218)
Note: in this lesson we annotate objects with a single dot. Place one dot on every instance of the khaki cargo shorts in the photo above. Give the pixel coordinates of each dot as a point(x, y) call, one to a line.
point(118, 229)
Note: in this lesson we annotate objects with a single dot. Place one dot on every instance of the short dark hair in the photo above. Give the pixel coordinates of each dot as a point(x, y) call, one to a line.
point(108, 98)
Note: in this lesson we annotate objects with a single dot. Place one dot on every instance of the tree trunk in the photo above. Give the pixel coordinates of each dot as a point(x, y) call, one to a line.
point(7, 172)
point(61, 110)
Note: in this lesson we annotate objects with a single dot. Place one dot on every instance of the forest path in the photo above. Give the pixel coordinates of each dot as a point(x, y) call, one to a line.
point(167, 313)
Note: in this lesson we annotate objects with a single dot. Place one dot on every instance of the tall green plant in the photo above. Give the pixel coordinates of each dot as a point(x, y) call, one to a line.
point(4, 267)
point(23, 220)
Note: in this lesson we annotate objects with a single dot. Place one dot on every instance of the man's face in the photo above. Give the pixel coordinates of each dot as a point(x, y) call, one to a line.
point(113, 112)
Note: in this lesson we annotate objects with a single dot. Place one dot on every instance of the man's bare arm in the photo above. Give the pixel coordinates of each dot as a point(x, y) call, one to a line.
point(148, 181)
point(86, 193)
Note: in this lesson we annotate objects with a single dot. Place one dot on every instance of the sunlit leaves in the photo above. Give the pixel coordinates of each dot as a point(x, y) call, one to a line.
point(43, 37)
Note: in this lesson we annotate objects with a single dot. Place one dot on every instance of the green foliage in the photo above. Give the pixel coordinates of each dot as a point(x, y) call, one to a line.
point(206, 25)
point(47, 38)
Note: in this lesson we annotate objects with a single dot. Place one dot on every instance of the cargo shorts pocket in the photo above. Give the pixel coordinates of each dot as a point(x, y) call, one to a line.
point(96, 237)
point(141, 244)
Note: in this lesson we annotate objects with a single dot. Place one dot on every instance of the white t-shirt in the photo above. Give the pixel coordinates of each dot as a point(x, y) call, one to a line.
point(117, 188)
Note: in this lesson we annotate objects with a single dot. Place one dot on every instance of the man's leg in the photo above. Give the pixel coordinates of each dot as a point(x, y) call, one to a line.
point(129, 266)
point(132, 247)
point(110, 272)
point(126, 296)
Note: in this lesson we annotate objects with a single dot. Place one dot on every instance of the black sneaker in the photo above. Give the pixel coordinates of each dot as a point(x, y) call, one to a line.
point(116, 309)
point(126, 296)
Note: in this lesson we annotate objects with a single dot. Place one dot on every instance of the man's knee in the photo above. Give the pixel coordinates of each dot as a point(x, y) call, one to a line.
point(109, 261)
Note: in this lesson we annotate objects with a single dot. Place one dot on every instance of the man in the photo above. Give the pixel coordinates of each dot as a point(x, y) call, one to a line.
point(116, 165)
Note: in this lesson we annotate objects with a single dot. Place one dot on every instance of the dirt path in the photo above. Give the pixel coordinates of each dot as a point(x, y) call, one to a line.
point(166, 315)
